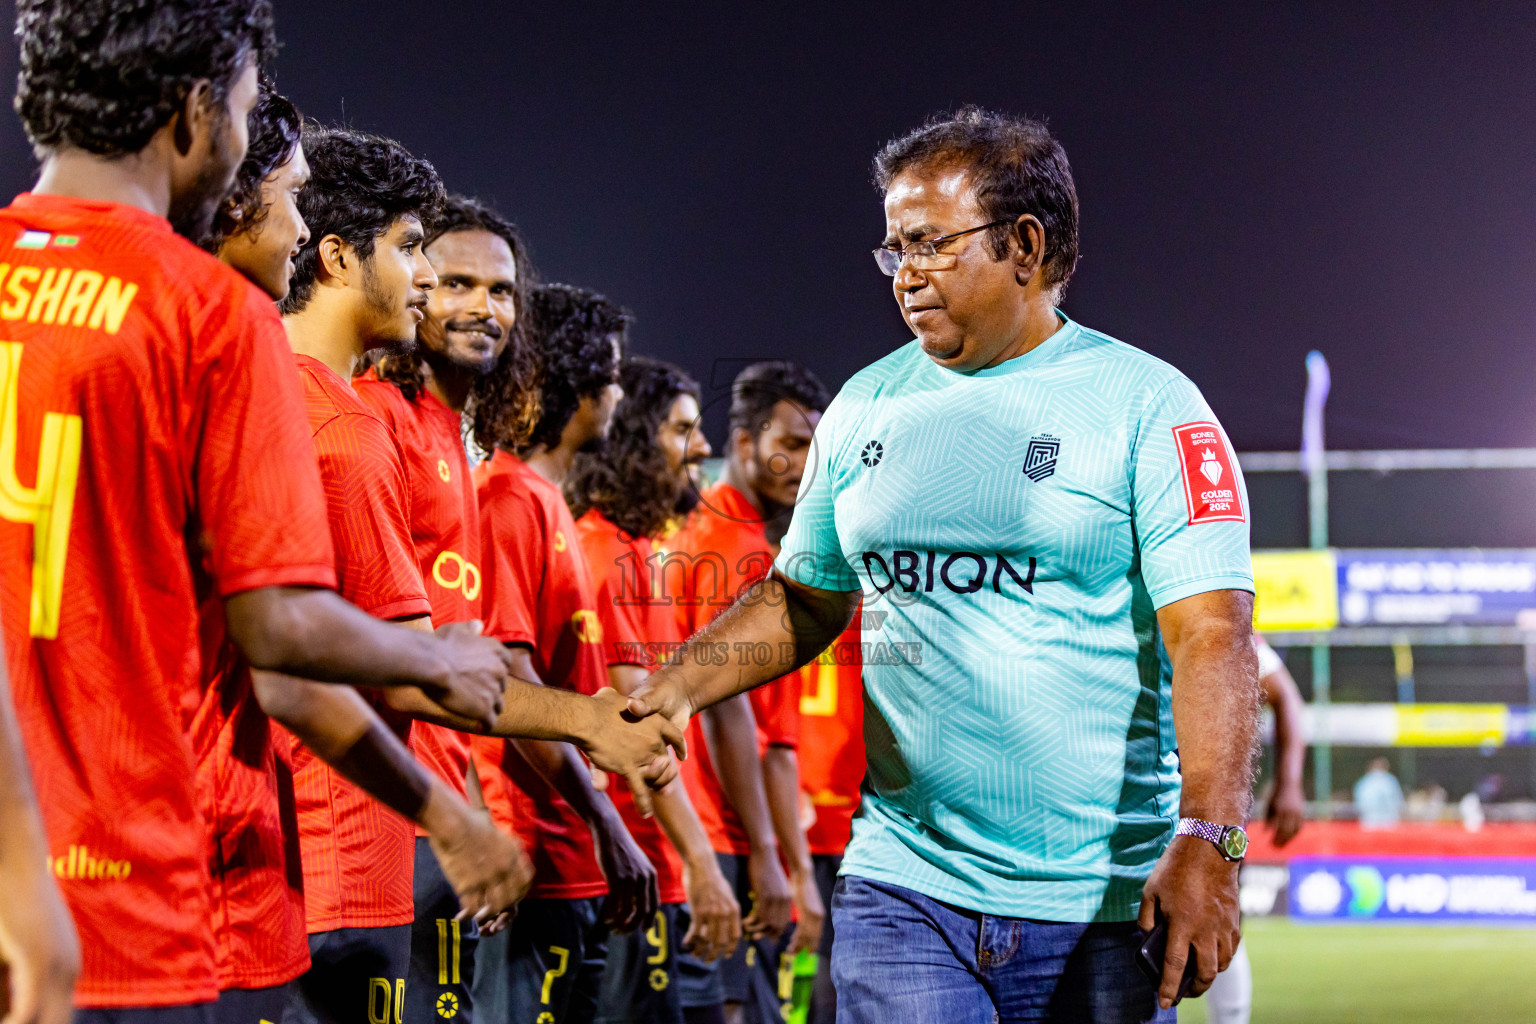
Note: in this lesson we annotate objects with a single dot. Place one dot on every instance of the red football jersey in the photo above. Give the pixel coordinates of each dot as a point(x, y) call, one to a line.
point(155, 454)
point(638, 629)
point(719, 552)
point(244, 788)
point(359, 856)
point(832, 739)
point(445, 532)
point(538, 592)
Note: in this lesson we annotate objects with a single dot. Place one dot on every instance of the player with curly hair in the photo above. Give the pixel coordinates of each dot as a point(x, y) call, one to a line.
point(258, 229)
point(473, 360)
point(539, 598)
point(627, 498)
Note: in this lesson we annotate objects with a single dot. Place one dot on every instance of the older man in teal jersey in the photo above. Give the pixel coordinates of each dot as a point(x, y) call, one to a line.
point(1050, 534)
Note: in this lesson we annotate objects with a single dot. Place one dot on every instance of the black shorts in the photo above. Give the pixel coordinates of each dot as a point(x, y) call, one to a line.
point(757, 975)
point(355, 976)
point(640, 979)
point(546, 968)
point(251, 1005)
point(442, 949)
point(195, 1013)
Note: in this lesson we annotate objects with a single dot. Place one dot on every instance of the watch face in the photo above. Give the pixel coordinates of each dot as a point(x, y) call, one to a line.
point(1234, 843)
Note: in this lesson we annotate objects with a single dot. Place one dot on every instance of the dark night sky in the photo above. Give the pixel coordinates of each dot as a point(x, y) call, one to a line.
point(1253, 184)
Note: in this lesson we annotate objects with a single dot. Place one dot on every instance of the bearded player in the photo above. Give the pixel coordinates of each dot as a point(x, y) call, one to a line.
point(471, 353)
point(590, 876)
point(750, 801)
point(139, 114)
point(626, 497)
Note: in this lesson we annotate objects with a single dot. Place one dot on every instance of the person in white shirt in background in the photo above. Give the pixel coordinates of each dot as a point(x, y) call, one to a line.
point(1230, 998)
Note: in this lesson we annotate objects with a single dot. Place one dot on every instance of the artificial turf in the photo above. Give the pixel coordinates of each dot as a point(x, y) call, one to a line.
point(1386, 974)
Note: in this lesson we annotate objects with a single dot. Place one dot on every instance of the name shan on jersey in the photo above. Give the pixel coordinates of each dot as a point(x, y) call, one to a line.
point(78, 298)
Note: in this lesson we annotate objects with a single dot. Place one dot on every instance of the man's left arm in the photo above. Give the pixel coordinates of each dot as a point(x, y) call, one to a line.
point(1209, 638)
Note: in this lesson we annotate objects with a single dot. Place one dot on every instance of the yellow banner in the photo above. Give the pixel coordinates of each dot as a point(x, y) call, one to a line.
point(1295, 590)
point(1451, 725)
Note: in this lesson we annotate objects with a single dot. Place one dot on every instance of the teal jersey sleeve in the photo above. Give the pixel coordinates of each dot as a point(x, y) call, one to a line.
point(1189, 505)
point(811, 552)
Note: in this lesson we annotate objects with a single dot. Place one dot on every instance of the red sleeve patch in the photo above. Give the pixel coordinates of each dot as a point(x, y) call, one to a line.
point(1210, 480)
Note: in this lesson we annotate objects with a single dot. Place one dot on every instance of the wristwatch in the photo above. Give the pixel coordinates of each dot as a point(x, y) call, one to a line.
point(1231, 841)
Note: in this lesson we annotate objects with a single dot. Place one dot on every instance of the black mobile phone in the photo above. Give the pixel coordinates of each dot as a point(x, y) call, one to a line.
point(1150, 959)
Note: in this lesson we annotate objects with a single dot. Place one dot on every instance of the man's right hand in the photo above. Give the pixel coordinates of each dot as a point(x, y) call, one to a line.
point(487, 868)
point(662, 694)
point(37, 941)
point(637, 750)
point(772, 898)
point(476, 678)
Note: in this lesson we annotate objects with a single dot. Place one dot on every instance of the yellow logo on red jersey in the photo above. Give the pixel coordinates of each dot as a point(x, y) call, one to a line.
point(586, 626)
point(466, 575)
point(79, 865)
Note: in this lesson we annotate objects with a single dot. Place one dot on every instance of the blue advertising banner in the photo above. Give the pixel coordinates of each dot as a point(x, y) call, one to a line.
point(1409, 889)
point(1495, 587)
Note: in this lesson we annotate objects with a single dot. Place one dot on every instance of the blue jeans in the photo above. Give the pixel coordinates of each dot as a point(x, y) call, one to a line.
point(900, 956)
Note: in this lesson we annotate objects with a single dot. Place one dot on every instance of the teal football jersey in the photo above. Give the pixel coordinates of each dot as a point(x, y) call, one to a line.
point(1014, 531)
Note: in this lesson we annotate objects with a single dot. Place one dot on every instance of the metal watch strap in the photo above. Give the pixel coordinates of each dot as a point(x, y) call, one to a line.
point(1209, 831)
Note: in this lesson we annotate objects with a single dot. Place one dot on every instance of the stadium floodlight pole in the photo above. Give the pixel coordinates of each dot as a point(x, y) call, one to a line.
point(1315, 466)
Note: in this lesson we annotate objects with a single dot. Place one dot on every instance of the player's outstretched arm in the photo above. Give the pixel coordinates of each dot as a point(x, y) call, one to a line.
point(730, 731)
point(797, 622)
point(487, 868)
point(1288, 803)
point(714, 927)
point(781, 780)
point(1209, 638)
point(318, 635)
point(37, 937)
point(598, 725)
point(632, 895)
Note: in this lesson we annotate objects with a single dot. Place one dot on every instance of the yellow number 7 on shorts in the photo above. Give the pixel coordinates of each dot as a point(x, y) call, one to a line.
point(554, 972)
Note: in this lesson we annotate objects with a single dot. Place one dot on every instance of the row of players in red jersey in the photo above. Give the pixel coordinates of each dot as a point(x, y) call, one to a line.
point(178, 547)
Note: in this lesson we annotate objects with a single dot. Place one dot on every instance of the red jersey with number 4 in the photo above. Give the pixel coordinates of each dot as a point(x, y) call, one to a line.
point(444, 530)
point(724, 549)
point(832, 739)
point(155, 453)
point(638, 629)
point(538, 593)
point(359, 856)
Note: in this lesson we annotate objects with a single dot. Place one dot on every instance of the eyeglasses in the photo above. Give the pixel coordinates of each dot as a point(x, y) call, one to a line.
point(925, 255)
